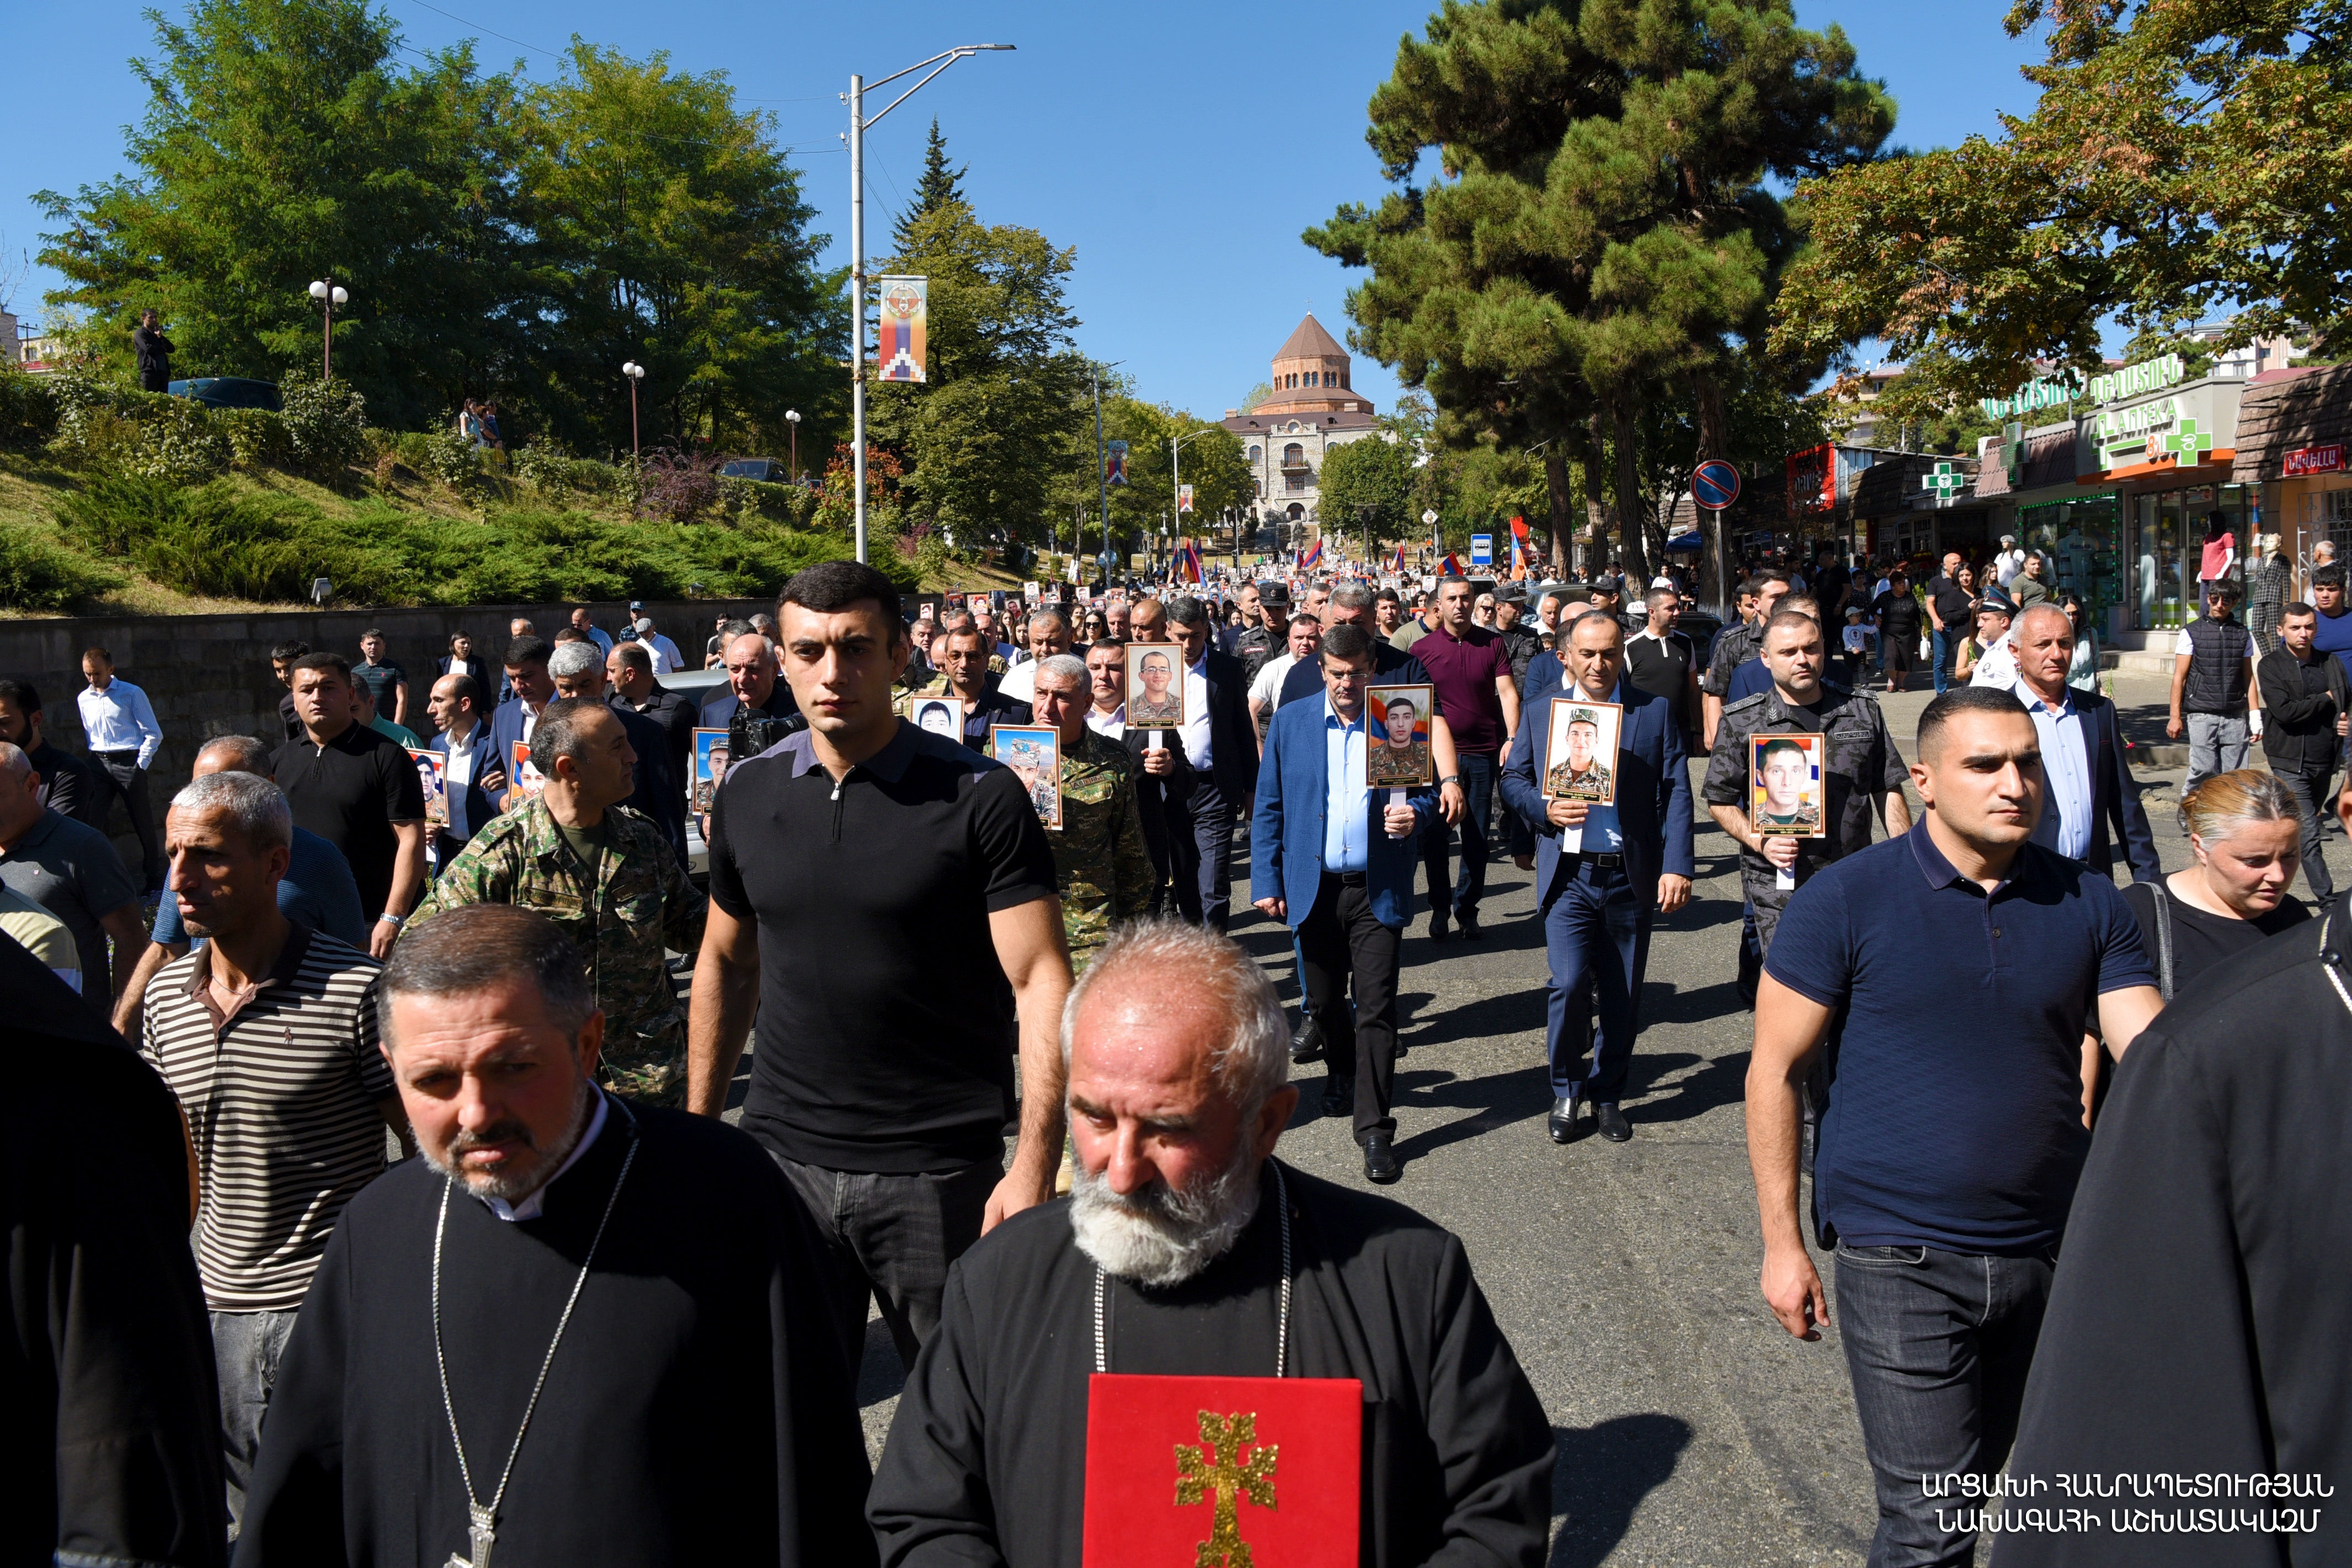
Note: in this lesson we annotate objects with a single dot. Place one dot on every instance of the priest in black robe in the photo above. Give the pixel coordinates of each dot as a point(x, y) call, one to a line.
point(109, 1418)
point(696, 1409)
point(1176, 1195)
point(2201, 1325)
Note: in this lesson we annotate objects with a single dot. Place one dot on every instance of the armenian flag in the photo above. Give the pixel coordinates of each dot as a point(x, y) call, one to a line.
point(1189, 566)
point(1451, 566)
point(1518, 557)
point(1312, 556)
point(1396, 562)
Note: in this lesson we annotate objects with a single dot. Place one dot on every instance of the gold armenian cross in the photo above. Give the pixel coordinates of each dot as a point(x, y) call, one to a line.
point(1223, 1473)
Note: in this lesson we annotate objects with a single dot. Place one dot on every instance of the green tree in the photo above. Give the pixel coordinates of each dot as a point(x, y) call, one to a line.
point(670, 229)
point(1602, 235)
point(1212, 462)
point(937, 185)
point(2182, 157)
point(985, 436)
point(281, 144)
point(1370, 474)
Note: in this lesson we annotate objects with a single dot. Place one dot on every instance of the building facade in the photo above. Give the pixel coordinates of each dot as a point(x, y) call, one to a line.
point(1313, 409)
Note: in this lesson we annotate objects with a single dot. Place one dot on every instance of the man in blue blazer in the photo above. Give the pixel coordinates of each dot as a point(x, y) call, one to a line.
point(533, 688)
point(1333, 859)
point(1632, 859)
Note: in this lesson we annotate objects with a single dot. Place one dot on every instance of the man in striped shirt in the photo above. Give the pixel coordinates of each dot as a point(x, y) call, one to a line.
point(268, 1035)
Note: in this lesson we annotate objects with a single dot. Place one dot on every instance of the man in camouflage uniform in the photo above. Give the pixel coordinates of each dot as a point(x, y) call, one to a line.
point(1100, 863)
point(606, 875)
point(1862, 772)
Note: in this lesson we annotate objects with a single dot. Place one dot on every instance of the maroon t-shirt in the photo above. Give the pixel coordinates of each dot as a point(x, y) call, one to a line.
point(1465, 669)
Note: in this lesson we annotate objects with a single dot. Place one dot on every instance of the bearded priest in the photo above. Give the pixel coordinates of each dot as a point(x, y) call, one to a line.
point(1320, 1361)
point(576, 1331)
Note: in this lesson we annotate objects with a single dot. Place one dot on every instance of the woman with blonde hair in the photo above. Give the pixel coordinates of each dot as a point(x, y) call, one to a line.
point(2248, 842)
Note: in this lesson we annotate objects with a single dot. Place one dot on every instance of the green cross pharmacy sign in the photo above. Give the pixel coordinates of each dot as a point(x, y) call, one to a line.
point(2187, 443)
point(1947, 481)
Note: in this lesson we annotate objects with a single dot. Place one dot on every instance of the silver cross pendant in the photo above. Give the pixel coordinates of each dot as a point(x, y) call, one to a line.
point(482, 1536)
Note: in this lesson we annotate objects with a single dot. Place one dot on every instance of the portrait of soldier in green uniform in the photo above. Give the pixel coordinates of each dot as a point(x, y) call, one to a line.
point(1785, 781)
point(1583, 742)
point(1399, 753)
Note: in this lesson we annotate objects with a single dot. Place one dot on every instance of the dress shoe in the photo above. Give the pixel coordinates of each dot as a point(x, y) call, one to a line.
point(1437, 931)
point(1613, 1125)
point(1562, 1120)
point(1379, 1160)
point(1471, 930)
point(1307, 1045)
point(1338, 1095)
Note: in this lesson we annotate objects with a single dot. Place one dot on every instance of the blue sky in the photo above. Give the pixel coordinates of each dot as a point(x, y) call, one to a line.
point(1180, 149)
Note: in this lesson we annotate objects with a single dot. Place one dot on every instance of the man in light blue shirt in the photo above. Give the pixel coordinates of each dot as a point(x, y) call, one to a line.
point(587, 627)
point(2069, 806)
point(120, 729)
point(1334, 860)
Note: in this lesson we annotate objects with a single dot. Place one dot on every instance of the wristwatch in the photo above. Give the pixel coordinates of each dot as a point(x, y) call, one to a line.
point(389, 918)
point(1450, 779)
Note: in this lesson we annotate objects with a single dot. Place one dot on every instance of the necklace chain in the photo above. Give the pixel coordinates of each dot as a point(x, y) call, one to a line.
point(1282, 1321)
point(486, 1515)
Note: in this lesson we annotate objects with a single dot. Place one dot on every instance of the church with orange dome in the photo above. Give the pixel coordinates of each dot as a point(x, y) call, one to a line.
point(1312, 409)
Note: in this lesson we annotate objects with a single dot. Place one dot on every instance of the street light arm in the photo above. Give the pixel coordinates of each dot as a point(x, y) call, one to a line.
point(945, 60)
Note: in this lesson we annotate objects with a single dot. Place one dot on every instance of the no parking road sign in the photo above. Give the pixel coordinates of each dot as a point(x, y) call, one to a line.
point(1716, 484)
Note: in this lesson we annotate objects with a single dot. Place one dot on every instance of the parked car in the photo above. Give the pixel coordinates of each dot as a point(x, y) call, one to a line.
point(766, 469)
point(229, 392)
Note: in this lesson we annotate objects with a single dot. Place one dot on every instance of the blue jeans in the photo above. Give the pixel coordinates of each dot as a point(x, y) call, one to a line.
point(1939, 1344)
point(1597, 936)
point(1946, 647)
point(1478, 770)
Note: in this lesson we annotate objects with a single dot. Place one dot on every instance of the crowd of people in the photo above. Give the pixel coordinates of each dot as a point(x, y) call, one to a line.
point(406, 1249)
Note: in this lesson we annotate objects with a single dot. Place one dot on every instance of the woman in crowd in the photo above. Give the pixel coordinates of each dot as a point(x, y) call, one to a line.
point(460, 660)
point(2243, 828)
point(2083, 670)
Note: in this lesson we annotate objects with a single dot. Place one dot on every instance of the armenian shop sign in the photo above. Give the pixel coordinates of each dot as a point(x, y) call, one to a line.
point(2192, 427)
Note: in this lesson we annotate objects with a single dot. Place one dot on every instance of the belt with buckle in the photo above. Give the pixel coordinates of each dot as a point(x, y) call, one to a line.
point(1606, 862)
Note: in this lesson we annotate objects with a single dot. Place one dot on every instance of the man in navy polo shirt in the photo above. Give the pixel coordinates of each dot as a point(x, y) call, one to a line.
point(1954, 1133)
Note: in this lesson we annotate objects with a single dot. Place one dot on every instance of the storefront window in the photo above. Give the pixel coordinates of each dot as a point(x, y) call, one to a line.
point(2081, 538)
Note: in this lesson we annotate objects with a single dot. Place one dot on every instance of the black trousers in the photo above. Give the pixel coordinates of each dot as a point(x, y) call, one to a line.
point(130, 784)
point(1201, 851)
point(2314, 804)
point(1341, 940)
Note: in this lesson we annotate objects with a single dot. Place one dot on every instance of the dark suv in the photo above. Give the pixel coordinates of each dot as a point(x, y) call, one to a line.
point(230, 391)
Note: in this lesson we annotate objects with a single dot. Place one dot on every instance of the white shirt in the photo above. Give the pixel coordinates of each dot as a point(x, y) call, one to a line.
point(1997, 666)
point(531, 1206)
point(664, 653)
point(1020, 682)
point(1268, 684)
point(1110, 726)
point(120, 720)
point(1196, 709)
point(2006, 565)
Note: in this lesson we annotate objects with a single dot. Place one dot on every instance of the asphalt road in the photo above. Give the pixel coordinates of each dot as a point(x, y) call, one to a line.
point(1692, 1430)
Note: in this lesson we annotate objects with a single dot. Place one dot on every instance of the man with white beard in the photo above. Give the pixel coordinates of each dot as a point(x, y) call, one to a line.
point(1188, 1260)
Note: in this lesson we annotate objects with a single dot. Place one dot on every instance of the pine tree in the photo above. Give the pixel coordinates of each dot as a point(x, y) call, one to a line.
point(937, 187)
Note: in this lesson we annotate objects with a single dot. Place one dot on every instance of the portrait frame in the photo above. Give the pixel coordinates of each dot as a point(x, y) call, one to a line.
point(1559, 782)
point(432, 773)
point(523, 774)
point(1810, 818)
point(1383, 767)
point(1167, 713)
point(1033, 752)
point(928, 712)
point(710, 772)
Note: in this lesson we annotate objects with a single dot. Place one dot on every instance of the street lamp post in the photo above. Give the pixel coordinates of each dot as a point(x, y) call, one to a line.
point(858, 125)
point(792, 418)
point(330, 294)
point(1175, 461)
point(1102, 475)
point(635, 373)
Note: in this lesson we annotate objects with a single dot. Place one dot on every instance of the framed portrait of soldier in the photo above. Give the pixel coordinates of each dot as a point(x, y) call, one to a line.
point(710, 760)
point(1784, 786)
point(433, 777)
point(1580, 752)
point(1033, 752)
point(1397, 736)
point(1155, 686)
point(942, 715)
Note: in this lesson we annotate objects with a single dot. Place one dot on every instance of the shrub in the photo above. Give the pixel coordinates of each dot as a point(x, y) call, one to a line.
point(35, 575)
point(258, 438)
point(28, 410)
point(451, 459)
point(677, 486)
point(102, 426)
point(326, 424)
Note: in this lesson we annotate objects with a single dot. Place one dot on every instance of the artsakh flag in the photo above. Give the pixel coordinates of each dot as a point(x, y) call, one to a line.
point(1232, 1470)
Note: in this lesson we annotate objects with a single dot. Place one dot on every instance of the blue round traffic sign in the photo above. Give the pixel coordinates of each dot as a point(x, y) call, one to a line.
point(1716, 484)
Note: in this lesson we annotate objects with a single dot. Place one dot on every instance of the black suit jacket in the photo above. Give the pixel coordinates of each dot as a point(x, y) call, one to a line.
point(2114, 795)
point(1155, 797)
point(1233, 739)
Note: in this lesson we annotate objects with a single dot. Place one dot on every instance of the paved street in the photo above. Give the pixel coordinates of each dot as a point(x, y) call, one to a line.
point(1692, 1430)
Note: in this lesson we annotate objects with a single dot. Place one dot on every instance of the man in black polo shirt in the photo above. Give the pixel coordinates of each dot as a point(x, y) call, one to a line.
point(358, 790)
point(887, 898)
point(1951, 611)
point(1955, 1131)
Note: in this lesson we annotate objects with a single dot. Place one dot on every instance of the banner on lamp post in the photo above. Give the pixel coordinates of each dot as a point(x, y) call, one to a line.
point(1183, 498)
point(1115, 462)
point(905, 302)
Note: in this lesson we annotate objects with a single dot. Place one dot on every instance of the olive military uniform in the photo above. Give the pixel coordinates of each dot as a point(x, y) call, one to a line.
point(1100, 865)
point(1859, 765)
point(1391, 765)
point(621, 914)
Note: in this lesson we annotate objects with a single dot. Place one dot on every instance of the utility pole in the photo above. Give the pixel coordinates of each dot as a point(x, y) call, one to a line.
point(858, 125)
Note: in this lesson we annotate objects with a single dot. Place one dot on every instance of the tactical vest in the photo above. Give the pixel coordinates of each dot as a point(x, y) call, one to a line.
point(2217, 667)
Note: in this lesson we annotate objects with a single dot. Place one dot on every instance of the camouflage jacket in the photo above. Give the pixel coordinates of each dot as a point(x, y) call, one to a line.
point(1860, 767)
point(1100, 865)
point(641, 903)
